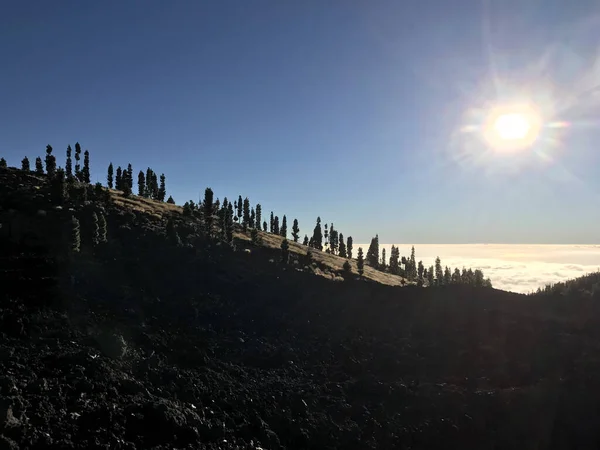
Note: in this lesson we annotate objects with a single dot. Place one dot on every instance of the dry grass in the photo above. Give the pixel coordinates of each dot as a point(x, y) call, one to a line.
point(142, 204)
point(334, 263)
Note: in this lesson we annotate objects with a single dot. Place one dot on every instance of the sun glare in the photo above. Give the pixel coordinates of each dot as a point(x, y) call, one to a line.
point(512, 127)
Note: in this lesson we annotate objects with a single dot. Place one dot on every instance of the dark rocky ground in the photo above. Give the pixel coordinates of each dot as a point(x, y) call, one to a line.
point(222, 349)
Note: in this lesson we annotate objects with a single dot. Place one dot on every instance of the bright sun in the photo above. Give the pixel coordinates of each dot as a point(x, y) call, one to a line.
point(512, 127)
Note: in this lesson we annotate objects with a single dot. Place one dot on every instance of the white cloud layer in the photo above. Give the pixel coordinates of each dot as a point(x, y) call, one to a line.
point(517, 268)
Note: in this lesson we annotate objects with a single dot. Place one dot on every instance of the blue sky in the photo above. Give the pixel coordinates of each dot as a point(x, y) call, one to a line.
point(347, 110)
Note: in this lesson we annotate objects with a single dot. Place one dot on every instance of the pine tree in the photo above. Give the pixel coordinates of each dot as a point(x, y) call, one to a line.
point(347, 268)
point(295, 230)
point(360, 262)
point(126, 181)
point(75, 234)
point(119, 179)
point(109, 176)
point(430, 276)
point(102, 229)
point(58, 190)
point(447, 275)
point(3, 164)
point(272, 223)
point(85, 173)
point(129, 176)
point(258, 215)
point(265, 226)
point(246, 214)
point(283, 231)
point(285, 251)
point(255, 237)
point(412, 275)
point(305, 242)
point(39, 166)
point(141, 183)
point(276, 225)
point(349, 247)
point(25, 164)
point(395, 260)
point(229, 233)
point(373, 252)
point(162, 190)
point(478, 280)
point(420, 271)
point(439, 272)
point(383, 261)
point(170, 200)
point(252, 218)
point(456, 276)
point(95, 229)
point(208, 210)
point(50, 162)
point(69, 165)
point(77, 159)
point(342, 247)
point(240, 206)
point(326, 236)
point(333, 240)
point(317, 237)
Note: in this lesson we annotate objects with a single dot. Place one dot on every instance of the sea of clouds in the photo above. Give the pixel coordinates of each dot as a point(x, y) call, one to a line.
point(517, 268)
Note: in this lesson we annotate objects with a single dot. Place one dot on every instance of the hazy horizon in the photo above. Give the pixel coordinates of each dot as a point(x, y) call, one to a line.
point(512, 267)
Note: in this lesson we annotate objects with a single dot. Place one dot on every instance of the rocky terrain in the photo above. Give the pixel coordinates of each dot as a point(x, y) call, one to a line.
point(141, 345)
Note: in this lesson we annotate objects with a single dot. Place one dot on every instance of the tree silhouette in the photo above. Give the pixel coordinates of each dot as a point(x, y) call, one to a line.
point(285, 251)
point(412, 263)
point(246, 214)
point(342, 247)
point(208, 210)
point(317, 237)
point(295, 230)
point(240, 208)
point(272, 223)
point(360, 262)
point(258, 216)
point(430, 276)
point(229, 231)
point(141, 183)
point(126, 181)
point(373, 252)
point(252, 218)
point(439, 272)
point(77, 159)
point(170, 200)
point(447, 276)
point(395, 260)
point(347, 268)
point(456, 276)
point(254, 236)
point(349, 247)
point(265, 226)
point(283, 230)
point(69, 165)
point(39, 166)
point(119, 179)
point(25, 164)
point(478, 279)
point(326, 236)
point(420, 272)
point(85, 173)
point(50, 162)
point(3, 164)
point(162, 190)
point(276, 225)
point(109, 176)
point(305, 242)
point(333, 240)
point(383, 261)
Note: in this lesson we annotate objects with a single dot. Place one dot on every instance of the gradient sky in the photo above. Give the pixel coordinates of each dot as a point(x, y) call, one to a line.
point(345, 109)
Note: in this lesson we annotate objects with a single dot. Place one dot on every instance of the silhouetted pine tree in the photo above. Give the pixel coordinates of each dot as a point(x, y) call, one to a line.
point(317, 237)
point(430, 276)
point(141, 183)
point(439, 272)
point(333, 240)
point(295, 230)
point(456, 276)
point(395, 260)
point(412, 262)
point(39, 166)
point(246, 214)
point(75, 234)
point(102, 229)
point(342, 247)
point(347, 268)
point(420, 272)
point(119, 179)
point(129, 175)
point(255, 237)
point(326, 236)
point(285, 251)
point(276, 225)
point(265, 226)
point(305, 242)
point(258, 216)
point(126, 181)
point(272, 223)
point(58, 191)
point(25, 164)
point(162, 190)
point(240, 208)
point(360, 262)
point(349, 247)
point(69, 165)
point(3, 164)
point(383, 264)
point(77, 159)
point(50, 162)
point(208, 210)
point(478, 279)
point(170, 200)
point(85, 173)
point(283, 230)
point(252, 218)
point(447, 275)
point(373, 252)
point(229, 234)
point(110, 176)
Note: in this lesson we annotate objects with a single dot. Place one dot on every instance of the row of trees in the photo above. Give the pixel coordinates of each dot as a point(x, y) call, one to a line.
point(81, 174)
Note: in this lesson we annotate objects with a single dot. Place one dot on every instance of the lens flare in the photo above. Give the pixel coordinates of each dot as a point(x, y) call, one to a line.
point(512, 127)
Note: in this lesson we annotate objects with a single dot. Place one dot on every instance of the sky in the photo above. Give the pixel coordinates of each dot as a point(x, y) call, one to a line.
point(362, 113)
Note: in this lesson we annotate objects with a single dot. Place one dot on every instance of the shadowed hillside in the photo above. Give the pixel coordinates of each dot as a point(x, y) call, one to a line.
point(127, 324)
